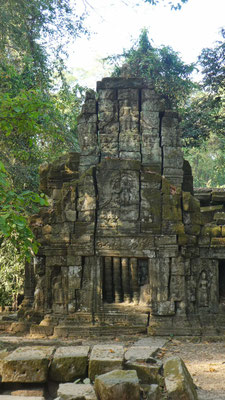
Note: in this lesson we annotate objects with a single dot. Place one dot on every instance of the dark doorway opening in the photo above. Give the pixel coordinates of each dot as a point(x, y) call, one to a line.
point(222, 281)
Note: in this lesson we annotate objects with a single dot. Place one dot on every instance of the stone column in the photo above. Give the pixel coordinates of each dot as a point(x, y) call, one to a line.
point(125, 279)
point(108, 282)
point(117, 280)
point(134, 279)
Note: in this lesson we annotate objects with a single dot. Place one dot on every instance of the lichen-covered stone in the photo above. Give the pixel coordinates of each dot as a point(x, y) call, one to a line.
point(73, 391)
point(178, 381)
point(118, 384)
point(69, 363)
point(27, 364)
point(105, 358)
point(146, 372)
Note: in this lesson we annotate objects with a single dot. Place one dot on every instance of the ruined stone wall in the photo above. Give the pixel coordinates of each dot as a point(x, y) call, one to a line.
point(128, 120)
point(121, 243)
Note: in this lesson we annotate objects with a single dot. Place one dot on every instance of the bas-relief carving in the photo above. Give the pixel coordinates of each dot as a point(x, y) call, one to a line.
point(117, 188)
point(39, 297)
point(203, 290)
point(128, 118)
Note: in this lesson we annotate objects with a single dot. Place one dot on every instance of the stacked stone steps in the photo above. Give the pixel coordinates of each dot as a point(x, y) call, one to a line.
point(98, 330)
point(110, 321)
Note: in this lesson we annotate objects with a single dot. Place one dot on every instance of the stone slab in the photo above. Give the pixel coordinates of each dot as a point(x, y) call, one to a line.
point(27, 364)
point(140, 353)
point(153, 343)
point(9, 397)
point(73, 391)
point(115, 385)
point(178, 381)
point(105, 358)
point(69, 363)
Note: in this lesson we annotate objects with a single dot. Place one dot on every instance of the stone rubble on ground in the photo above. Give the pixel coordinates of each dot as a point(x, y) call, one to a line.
point(115, 371)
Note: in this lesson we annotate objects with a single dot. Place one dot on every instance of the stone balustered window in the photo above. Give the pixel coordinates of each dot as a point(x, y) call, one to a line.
point(122, 279)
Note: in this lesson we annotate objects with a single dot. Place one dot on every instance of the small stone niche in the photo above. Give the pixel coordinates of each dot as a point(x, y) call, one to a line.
point(122, 278)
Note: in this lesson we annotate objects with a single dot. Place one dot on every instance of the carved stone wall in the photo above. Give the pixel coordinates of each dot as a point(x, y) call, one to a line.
point(124, 242)
point(130, 121)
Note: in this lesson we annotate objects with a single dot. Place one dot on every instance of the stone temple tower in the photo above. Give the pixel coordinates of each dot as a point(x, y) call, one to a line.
point(125, 246)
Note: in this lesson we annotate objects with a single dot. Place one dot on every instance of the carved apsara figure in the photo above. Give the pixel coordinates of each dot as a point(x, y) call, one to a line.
point(203, 292)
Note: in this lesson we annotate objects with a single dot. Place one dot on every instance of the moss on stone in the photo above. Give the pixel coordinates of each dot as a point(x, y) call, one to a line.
point(98, 367)
point(171, 213)
point(187, 240)
point(216, 231)
point(218, 242)
point(146, 373)
point(67, 369)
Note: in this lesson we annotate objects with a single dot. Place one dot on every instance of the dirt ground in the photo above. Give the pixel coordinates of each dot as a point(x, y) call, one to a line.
point(205, 362)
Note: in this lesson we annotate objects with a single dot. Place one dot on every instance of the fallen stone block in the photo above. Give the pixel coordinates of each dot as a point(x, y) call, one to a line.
point(155, 343)
point(178, 381)
point(151, 392)
point(73, 391)
point(118, 385)
point(27, 365)
point(146, 373)
point(105, 358)
point(69, 363)
point(141, 353)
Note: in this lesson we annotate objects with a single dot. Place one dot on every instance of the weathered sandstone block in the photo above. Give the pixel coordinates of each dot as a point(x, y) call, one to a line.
point(69, 363)
point(178, 381)
point(105, 358)
point(114, 385)
point(73, 391)
point(27, 364)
